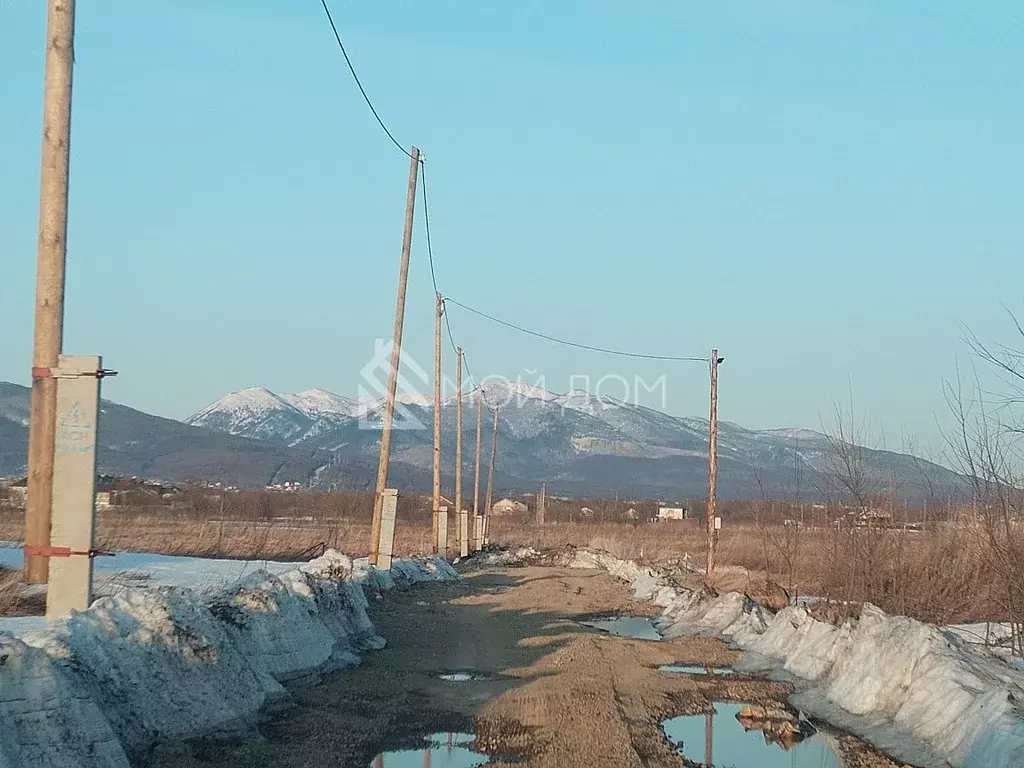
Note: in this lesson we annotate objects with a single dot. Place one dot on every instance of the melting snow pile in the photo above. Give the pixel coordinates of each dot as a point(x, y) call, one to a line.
point(169, 663)
point(895, 675)
point(521, 556)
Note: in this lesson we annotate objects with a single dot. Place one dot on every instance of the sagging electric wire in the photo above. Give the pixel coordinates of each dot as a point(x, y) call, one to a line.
point(355, 76)
point(574, 344)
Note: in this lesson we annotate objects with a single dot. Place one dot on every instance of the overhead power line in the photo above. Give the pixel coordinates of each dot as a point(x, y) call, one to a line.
point(455, 348)
point(577, 345)
point(433, 273)
point(465, 362)
point(352, 69)
point(426, 224)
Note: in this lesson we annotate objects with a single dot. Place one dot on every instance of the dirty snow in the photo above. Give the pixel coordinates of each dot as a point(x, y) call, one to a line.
point(149, 664)
point(505, 557)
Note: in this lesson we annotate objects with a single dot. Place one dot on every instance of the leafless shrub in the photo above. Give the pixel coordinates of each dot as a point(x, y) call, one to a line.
point(781, 537)
point(876, 555)
point(986, 446)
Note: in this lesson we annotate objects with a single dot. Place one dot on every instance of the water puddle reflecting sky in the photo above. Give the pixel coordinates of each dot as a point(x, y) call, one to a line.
point(626, 626)
point(722, 741)
point(694, 669)
point(439, 750)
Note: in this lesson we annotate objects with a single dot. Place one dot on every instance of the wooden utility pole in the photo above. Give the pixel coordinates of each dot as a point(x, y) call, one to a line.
point(438, 313)
point(479, 435)
point(712, 513)
point(48, 335)
point(396, 356)
point(542, 503)
point(458, 441)
point(490, 472)
point(478, 538)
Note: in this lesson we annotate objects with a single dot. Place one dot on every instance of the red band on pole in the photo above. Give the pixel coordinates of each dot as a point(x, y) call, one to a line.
point(35, 551)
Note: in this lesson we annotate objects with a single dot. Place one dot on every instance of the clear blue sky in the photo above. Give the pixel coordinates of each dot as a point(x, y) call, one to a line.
point(827, 190)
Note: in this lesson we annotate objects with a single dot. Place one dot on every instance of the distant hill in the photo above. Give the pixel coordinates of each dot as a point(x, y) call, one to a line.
point(137, 443)
point(577, 443)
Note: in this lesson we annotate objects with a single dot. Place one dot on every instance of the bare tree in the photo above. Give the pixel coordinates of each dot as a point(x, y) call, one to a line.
point(985, 444)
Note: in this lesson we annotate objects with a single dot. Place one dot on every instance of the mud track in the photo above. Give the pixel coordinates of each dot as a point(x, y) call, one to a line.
point(559, 694)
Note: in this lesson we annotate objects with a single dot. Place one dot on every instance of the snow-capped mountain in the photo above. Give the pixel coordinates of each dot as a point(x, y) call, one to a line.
point(575, 439)
point(292, 419)
point(254, 412)
point(577, 443)
point(317, 403)
point(585, 423)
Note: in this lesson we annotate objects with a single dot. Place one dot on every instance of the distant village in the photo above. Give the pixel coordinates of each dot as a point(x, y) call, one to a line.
point(116, 492)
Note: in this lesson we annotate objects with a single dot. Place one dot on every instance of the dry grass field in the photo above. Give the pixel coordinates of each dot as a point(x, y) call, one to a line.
point(934, 574)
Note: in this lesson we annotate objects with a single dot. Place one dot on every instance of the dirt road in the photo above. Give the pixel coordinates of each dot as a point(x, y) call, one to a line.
point(556, 694)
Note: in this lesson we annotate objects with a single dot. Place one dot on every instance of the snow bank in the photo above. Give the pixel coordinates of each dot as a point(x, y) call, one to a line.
point(158, 664)
point(505, 557)
point(896, 674)
point(45, 721)
point(960, 701)
point(149, 665)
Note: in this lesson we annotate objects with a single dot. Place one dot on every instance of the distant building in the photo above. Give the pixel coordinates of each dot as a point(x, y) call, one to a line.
point(17, 495)
point(870, 518)
point(509, 507)
point(111, 492)
point(285, 487)
point(671, 513)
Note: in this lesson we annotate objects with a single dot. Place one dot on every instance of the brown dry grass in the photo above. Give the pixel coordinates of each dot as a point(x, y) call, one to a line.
point(930, 575)
point(235, 539)
point(13, 599)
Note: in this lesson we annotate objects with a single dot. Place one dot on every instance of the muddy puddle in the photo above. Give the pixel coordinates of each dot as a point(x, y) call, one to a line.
point(745, 736)
point(693, 669)
point(625, 626)
point(439, 750)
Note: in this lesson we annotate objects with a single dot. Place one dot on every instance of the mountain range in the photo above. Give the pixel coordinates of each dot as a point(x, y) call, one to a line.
point(578, 443)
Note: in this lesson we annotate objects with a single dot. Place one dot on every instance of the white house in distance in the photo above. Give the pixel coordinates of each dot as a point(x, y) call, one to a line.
point(508, 507)
point(671, 513)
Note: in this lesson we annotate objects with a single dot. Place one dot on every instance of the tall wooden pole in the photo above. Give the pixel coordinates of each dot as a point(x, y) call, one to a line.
point(458, 435)
point(490, 471)
point(48, 336)
point(396, 356)
point(478, 535)
point(712, 512)
point(438, 313)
